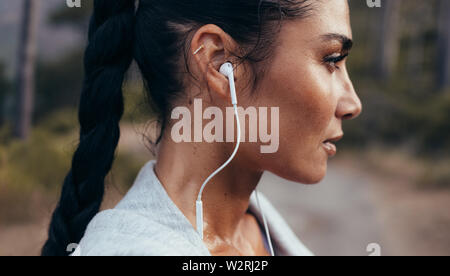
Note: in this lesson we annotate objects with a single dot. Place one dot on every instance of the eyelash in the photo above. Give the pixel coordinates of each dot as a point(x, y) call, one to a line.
point(334, 60)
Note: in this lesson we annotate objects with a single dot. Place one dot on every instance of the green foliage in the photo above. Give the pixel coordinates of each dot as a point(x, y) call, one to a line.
point(4, 82)
point(5, 87)
point(60, 122)
point(436, 127)
point(58, 84)
point(137, 109)
point(38, 166)
point(59, 87)
point(38, 162)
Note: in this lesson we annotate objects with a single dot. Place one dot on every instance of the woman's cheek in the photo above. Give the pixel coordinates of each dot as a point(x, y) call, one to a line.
point(316, 100)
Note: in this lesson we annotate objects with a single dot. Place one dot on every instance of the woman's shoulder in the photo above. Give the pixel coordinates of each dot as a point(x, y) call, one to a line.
point(144, 222)
point(117, 232)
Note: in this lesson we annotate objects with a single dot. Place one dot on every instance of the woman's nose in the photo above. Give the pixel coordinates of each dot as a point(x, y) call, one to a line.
point(349, 105)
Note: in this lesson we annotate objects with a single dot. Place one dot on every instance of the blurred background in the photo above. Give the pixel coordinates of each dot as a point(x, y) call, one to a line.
point(388, 188)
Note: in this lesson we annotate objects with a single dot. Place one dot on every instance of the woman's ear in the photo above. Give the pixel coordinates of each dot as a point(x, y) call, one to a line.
point(209, 45)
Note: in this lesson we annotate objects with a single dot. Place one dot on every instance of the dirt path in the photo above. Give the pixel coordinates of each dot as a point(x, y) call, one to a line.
point(23, 239)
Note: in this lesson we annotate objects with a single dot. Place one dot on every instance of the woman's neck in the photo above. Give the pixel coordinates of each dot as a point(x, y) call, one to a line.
point(183, 167)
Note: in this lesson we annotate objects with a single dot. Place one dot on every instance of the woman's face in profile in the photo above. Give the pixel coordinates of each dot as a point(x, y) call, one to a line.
point(308, 80)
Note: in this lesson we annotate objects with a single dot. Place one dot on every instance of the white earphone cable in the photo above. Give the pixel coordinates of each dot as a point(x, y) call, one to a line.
point(227, 70)
point(199, 205)
point(229, 159)
point(266, 228)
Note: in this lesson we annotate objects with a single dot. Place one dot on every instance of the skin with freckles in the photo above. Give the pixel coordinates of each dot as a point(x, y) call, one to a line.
point(307, 79)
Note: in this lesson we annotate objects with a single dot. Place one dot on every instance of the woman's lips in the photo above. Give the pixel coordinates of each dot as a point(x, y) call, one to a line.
point(330, 148)
point(329, 145)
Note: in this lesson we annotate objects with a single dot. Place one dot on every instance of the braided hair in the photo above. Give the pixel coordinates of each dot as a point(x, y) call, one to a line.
point(107, 58)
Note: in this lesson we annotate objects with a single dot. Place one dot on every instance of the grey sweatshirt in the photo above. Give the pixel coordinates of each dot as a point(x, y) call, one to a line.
point(146, 222)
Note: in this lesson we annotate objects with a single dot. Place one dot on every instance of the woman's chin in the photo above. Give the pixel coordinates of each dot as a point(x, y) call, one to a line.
point(313, 178)
point(307, 174)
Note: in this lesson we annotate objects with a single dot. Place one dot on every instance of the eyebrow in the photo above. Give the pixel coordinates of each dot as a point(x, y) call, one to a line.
point(346, 42)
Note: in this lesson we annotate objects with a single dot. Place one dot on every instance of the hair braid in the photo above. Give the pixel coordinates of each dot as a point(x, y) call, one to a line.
point(107, 58)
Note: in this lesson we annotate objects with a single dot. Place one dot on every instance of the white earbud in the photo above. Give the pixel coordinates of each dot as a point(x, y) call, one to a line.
point(227, 70)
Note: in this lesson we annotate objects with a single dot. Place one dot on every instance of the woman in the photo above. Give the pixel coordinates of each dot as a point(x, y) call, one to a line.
point(286, 54)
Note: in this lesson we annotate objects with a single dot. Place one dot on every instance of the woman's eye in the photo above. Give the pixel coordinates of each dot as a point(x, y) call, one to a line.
point(334, 59)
